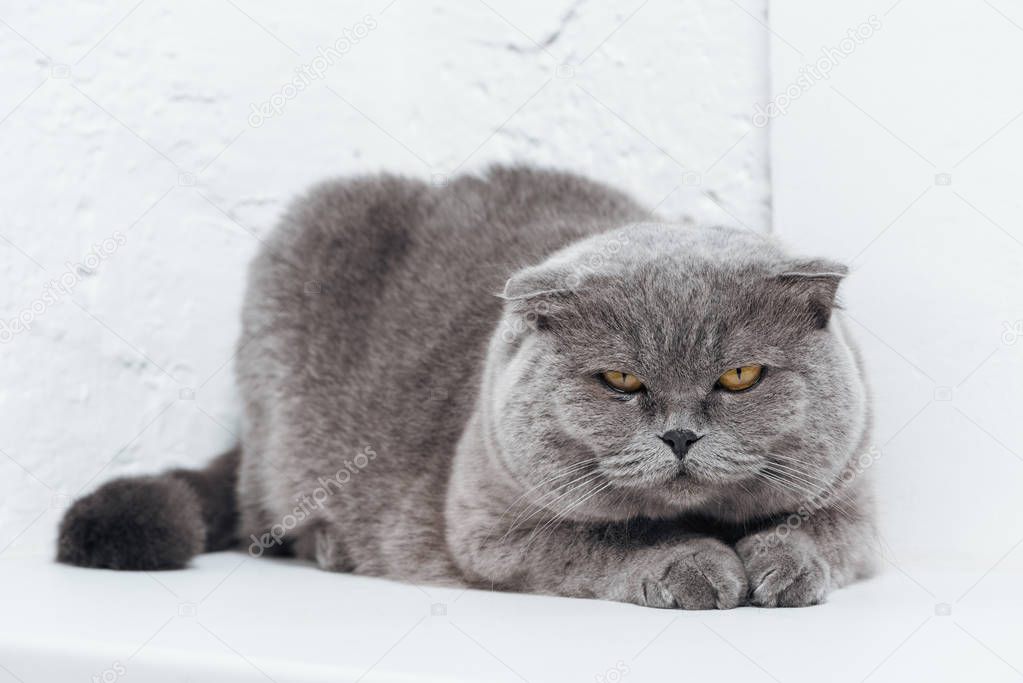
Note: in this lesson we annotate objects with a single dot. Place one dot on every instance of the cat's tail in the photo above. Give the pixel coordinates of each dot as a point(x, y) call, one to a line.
point(155, 522)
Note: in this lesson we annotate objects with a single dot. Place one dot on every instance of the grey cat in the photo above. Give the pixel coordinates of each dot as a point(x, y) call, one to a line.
point(523, 381)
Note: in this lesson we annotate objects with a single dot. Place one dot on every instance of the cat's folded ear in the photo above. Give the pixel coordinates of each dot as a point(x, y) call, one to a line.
point(538, 293)
point(536, 281)
point(812, 284)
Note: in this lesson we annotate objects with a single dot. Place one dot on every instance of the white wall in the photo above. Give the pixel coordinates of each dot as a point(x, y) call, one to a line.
point(905, 163)
point(110, 113)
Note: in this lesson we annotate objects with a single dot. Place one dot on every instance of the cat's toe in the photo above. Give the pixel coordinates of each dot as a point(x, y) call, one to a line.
point(809, 587)
point(791, 573)
point(701, 574)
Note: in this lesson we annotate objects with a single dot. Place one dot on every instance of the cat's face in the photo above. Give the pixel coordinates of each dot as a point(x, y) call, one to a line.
point(676, 308)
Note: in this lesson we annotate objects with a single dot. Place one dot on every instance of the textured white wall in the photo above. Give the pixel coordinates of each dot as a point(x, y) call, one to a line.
point(132, 123)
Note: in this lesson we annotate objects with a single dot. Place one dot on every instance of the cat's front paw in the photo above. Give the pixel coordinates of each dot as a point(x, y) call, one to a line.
point(701, 573)
point(787, 572)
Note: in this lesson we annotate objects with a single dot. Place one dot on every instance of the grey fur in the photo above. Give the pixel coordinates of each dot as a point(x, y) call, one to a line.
point(418, 372)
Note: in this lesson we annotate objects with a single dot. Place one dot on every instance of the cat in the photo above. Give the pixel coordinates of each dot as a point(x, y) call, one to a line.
point(523, 380)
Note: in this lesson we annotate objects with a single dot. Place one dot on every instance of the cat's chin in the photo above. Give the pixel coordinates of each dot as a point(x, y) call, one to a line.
point(681, 478)
point(678, 486)
point(678, 491)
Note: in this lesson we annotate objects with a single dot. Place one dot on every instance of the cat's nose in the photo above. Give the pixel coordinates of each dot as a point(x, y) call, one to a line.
point(680, 441)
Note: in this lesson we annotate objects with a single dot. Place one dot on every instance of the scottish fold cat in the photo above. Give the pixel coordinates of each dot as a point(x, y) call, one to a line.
point(523, 380)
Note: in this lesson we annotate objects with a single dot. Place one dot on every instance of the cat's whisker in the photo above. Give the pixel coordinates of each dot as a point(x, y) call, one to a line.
point(815, 481)
point(563, 515)
point(743, 487)
point(576, 485)
point(809, 478)
point(785, 485)
point(553, 521)
point(798, 474)
point(806, 495)
point(551, 505)
point(783, 456)
point(796, 463)
point(570, 470)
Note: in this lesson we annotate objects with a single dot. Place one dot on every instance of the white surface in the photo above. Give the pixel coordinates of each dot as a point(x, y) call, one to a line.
point(232, 618)
point(104, 109)
point(936, 291)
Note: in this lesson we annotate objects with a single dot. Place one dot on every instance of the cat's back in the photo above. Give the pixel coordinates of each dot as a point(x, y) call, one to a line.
point(375, 296)
point(371, 264)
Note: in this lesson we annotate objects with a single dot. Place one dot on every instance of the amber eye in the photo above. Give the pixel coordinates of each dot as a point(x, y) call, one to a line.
point(622, 381)
point(738, 379)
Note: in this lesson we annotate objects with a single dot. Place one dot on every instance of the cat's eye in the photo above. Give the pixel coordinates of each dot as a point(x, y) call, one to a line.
point(738, 379)
point(621, 381)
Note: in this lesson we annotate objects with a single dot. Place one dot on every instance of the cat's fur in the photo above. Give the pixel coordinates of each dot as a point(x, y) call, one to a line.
point(418, 368)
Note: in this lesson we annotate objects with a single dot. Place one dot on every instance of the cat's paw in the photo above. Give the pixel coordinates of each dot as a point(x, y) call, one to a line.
point(787, 572)
point(701, 573)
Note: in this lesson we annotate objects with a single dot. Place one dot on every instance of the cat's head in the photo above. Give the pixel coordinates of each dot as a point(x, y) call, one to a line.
point(663, 369)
